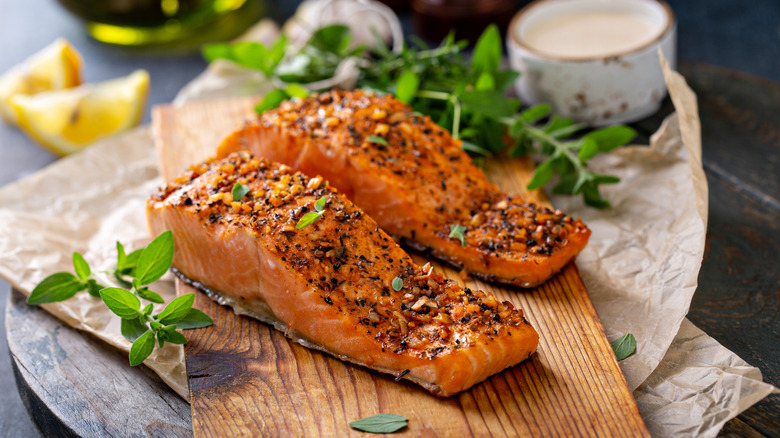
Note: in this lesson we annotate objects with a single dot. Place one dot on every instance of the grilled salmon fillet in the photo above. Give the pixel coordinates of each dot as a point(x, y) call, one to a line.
point(414, 179)
point(339, 284)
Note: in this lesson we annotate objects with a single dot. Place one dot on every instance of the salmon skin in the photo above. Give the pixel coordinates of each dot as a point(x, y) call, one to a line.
point(340, 284)
point(414, 179)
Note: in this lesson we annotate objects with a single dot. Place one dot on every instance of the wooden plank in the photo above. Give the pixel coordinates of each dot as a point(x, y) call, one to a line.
point(248, 379)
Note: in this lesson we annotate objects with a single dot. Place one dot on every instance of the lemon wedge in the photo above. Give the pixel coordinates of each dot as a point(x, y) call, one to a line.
point(67, 121)
point(56, 67)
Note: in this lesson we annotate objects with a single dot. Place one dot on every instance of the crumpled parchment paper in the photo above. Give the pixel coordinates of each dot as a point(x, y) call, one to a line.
point(641, 264)
point(645, 252)
point(85, 203)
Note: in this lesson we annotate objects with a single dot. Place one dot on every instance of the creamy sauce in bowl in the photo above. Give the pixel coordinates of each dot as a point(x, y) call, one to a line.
point(589, 29)
point(595, 61)
point(590, 34)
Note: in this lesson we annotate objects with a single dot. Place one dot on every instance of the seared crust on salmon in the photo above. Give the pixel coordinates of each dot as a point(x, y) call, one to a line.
point(414, 179)
point(339, 284)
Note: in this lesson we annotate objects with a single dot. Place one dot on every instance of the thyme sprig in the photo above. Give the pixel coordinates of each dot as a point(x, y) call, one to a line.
point(468, 97)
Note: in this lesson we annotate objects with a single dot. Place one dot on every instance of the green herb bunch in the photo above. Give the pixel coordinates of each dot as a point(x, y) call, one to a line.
point(466, 96)
point(134, 271)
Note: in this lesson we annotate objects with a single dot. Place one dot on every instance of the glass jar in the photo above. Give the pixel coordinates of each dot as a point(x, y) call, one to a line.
point(155, 22)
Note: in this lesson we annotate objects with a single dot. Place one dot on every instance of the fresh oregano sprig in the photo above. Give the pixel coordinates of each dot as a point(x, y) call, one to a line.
point(466, 96)
point(134, 271)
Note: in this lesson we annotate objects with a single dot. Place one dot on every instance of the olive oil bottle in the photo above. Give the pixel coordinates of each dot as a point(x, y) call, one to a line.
point(167, 22)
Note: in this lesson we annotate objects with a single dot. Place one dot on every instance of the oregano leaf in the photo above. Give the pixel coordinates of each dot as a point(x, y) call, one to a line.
point(319, 205)
point(56, 287)
point(239, 191)
point(380, 423)
point(175, 337)
point(123, 303)
point(588, 149)
point(308, 219)
point(156, 259)
point(296, 90)
point(149, 295)
point(93, 287)
point(624, 346)
point(132, 329)
point(376, 139)
point(458, 232)
point(542, 175)
point(81, 266)
point(176, 309)
point(487, 51)
point(142, 348)
point(194, 319)
point(406, 87)
point(611, 137)
point(271, 100)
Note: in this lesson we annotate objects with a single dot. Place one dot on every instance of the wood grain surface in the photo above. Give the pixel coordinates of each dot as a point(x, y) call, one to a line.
point(247, 379)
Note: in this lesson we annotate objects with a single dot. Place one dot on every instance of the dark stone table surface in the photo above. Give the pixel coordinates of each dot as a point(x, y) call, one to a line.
point(728, 50)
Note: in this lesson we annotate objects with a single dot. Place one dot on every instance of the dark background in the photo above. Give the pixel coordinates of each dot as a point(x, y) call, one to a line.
point(743, 36)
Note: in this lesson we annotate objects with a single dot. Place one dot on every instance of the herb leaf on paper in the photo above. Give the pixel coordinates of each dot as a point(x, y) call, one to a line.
point(155, 259)
point(139, 326)
point(56, 287)
point(624, 347)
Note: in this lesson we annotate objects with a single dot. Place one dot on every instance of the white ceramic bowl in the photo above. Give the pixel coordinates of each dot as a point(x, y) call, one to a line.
point(598, 89)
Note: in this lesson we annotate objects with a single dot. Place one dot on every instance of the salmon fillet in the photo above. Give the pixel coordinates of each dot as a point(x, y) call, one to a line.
point(331, 285)
point(416, 182)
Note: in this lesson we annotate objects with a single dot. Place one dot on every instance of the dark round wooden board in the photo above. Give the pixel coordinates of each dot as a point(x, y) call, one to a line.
point(73, 384)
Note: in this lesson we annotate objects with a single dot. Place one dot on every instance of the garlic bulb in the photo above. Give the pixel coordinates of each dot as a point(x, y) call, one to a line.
point(361, 16)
